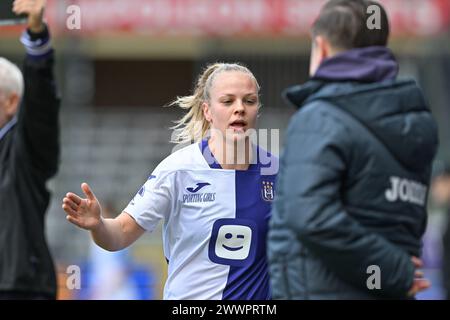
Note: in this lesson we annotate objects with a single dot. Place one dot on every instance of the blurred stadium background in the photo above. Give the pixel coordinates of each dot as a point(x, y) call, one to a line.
point(132, 57)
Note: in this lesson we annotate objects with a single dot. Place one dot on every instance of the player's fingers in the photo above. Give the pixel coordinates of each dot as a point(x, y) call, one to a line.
point(41, 3)
point(18, 3)
point(73, 220)
point(70, 203)
point(17, 7)
point(22, 9)
point(87, 191)
point(30, 3)
point(76, 199)
point(25, 7)
point(69, 210)
point(22, 4)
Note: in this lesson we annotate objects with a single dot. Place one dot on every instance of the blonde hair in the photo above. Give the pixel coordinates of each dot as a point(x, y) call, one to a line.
point(193, 126)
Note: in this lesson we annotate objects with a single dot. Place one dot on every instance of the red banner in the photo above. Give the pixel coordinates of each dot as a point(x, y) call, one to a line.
point(227, 17)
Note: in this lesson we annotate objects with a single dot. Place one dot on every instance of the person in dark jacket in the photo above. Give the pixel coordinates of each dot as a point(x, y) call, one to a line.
point(350, 210)
point(29, 151)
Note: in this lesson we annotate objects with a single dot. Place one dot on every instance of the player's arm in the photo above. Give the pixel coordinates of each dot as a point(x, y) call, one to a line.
point(110, 234)
point(38, 129)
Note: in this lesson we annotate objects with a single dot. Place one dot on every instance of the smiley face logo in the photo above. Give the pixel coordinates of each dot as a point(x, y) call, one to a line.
point(231, 242)
point(230, 236)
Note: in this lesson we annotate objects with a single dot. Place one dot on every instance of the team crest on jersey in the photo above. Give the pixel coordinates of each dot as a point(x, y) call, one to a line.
point(267, 191)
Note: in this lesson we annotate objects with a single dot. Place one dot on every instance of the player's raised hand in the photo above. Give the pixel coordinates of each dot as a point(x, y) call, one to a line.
point(84, 213)
point(35, 11)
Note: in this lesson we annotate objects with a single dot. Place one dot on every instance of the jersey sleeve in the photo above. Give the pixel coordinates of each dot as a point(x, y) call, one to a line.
point(153, 201)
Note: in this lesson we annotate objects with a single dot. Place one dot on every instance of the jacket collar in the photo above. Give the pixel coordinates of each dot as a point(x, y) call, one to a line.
point(366, 65)
point(370, 64)
point(7, 127)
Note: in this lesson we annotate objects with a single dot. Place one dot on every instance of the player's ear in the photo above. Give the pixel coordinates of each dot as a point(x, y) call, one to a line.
point(206, 112)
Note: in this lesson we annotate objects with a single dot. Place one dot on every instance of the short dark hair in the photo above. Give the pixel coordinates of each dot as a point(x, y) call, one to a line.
point(344, 24)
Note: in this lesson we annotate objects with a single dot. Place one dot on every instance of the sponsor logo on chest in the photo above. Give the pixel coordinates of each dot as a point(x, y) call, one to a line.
point(194, 195)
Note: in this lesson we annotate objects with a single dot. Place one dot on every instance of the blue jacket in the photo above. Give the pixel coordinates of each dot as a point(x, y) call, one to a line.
point(353, 182)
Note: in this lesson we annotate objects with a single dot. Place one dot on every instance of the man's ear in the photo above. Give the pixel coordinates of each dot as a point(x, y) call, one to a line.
point(323, 47)
point(11, 104)
point(321, 50)
point(206, 112)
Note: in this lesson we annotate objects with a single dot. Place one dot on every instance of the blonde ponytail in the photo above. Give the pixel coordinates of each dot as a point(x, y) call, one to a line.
point(193, 126)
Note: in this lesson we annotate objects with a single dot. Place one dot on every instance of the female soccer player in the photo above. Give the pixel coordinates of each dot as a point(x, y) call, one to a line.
point(215, 208)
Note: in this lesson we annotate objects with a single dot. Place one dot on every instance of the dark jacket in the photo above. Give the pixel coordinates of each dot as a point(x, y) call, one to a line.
point(353, 182)
point(29, 153)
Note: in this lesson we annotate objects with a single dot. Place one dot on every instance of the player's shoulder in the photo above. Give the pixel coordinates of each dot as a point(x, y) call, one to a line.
point(186, 158)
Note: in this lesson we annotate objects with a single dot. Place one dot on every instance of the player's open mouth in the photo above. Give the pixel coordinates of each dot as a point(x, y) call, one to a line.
point(232, 249)
point(238, 125)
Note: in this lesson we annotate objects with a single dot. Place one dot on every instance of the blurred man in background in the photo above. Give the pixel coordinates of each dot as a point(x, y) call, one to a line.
point(29, 151)
point(441, 195)
point(351, 206)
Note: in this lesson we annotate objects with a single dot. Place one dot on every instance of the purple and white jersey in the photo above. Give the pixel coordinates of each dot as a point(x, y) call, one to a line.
point(215, 224)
